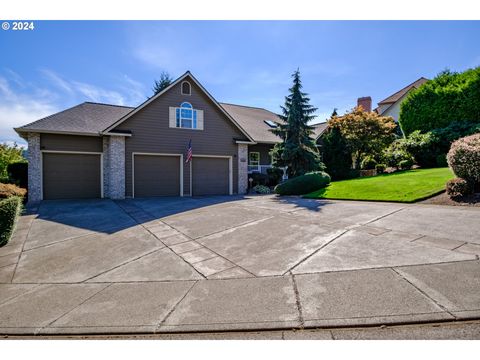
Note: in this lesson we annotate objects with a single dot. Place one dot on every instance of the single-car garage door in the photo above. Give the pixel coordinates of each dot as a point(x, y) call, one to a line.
point(210, 176)
point(71, 176)
point(156, 175)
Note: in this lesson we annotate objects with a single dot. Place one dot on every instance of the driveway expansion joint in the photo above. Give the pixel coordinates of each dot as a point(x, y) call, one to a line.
point(424, 293)
point(297, 300)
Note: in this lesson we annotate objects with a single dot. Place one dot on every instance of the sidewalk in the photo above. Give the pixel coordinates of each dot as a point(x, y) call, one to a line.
point(398, 295)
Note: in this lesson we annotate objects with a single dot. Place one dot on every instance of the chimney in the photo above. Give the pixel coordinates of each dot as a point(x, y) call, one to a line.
point(365, 103)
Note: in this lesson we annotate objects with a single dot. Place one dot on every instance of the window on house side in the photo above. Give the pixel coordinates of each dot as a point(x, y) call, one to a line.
point(186, 116)
point(186, 88)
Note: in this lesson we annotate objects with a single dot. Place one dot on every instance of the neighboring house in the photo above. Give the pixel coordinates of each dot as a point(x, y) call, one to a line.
point(98, 150)
point(391, 105)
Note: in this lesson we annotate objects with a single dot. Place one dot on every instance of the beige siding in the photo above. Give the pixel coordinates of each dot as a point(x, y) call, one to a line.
point(71, 143)
point(151, 133)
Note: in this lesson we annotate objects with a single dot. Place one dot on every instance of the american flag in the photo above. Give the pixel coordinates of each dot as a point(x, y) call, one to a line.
point(189, 152)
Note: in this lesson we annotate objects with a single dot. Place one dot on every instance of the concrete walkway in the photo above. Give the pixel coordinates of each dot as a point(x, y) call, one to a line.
point(223, 263)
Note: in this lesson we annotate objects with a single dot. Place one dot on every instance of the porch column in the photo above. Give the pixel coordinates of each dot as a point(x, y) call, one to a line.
point(115, 167)
point(242, 168)
point(34, 168)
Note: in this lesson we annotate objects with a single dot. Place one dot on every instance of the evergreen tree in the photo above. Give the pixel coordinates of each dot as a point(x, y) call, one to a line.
point(297, 150)
point(336, 155)
point(165, 81)
point(334, 112)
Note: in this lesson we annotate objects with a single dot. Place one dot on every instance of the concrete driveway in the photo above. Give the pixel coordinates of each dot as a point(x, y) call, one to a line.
point(223, 263)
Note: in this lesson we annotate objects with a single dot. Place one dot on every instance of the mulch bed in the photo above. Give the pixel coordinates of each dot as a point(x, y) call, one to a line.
point(444, 199)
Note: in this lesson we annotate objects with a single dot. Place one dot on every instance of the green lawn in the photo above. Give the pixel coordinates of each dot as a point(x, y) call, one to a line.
point(405, 186)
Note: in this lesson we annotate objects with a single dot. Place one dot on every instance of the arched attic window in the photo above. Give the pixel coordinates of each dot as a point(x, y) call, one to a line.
point(186, 88)
point(186, 116)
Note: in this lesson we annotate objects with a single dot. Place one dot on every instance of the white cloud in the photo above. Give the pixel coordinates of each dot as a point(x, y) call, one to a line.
point(17, 109)
point(22, 102)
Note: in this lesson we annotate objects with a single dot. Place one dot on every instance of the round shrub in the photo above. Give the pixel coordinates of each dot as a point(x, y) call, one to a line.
point(9, 210)
point(458, 187)
point(380, 168)
point(405, 164)
point(261, 189)
point(464, 158)
point(303, 184)
point(368, 163)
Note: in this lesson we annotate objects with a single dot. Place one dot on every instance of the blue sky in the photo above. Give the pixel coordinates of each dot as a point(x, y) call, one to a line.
point(63, 63)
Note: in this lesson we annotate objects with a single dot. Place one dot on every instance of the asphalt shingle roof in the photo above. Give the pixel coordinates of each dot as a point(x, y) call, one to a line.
point(399, 94)
point(92, 118)
point(86, 118)
point(319, 129)
point(252, 119)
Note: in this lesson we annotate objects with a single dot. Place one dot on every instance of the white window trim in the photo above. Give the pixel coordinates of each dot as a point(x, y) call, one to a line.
point(189, 86)
point(258, 165)
point(230, 170)
point(180, 120)
point(70, 152)
point(156, 154)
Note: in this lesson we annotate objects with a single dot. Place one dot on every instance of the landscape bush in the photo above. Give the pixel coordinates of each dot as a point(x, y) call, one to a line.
point(464, 158)
point(335, 154)
point(9, 190)
point(395, 153)
point(368, 163)
point(9, 210)
point(261, 189)
point(441, 160)
point(449, 97)
point(458, 187)
point(303, 184)
point(258, 179)
point(18, 173)
point(380, 168)
point(274, 175)
point(405, 164)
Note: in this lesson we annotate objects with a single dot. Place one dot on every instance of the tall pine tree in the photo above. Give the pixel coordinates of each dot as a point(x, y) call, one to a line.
point(297, 150)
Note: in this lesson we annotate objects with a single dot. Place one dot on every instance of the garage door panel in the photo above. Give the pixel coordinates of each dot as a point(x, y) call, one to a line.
point(156, 175)
point(71, 176)
point(210, 176)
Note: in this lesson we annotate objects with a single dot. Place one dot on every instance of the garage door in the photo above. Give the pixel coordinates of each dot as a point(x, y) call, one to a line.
point(71, 176)
point(210, 176)
point(156, 175)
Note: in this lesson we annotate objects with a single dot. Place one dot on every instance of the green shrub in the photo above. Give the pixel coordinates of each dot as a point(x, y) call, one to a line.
point(405, 164)
point(274, 175)
point(335, 154)
point(423, 148)
point(368, 163)
point(303, 184)
point(464, 158)
point(458, 188)
point(454, 131)
point(380, 168)
point(449, 97)
point(9, 190)
point(18, 173)
point(261, 189)
point(396, 153)
point(9, 209)
point(441, 160)
point(258, 179)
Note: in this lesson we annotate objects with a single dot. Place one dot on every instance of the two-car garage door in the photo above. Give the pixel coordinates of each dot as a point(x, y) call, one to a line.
point(162, 175)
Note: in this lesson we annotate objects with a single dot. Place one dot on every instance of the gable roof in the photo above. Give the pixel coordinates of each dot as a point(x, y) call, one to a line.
point(319, 129)
point(87, 118)
point(153, 98)
point(400, 93)
point(252, 119)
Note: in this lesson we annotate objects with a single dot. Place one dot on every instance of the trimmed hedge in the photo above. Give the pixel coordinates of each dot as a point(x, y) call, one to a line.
point(449, 97)
point(303, 184)
point(464, 158)
point(458, 188)
point(9, 210)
